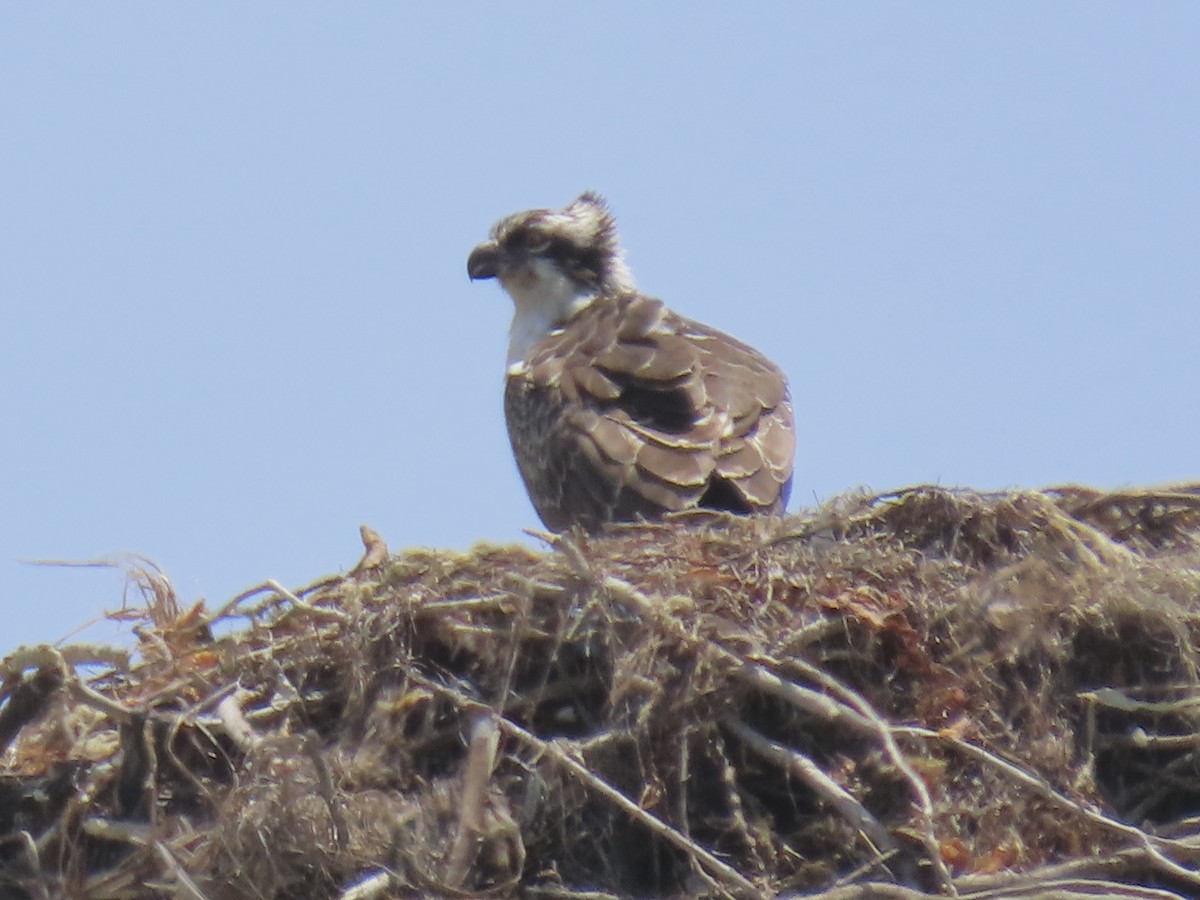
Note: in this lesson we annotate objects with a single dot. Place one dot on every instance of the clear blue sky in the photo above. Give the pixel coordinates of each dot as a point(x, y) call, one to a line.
point(235, 320)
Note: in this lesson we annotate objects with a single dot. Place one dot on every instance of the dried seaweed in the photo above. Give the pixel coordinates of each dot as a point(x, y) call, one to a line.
point(921, 693)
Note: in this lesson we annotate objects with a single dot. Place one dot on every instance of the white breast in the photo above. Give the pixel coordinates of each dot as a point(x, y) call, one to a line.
point(543, 299)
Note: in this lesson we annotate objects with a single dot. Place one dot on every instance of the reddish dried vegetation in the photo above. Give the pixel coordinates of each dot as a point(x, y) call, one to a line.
point(926, 692)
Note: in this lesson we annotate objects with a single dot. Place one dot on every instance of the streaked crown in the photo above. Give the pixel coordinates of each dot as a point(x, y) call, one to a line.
point(580, 241)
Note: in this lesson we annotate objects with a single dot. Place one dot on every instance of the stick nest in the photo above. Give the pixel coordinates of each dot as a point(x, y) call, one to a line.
point(927, 692)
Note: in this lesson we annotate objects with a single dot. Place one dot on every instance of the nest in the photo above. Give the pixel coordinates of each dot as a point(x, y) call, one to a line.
point(923, 693)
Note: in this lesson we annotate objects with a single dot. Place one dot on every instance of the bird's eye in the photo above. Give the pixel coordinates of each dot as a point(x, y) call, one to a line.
point(529, 240)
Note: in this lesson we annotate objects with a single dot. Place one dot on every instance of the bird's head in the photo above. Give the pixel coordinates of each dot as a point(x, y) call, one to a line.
point(555, 257)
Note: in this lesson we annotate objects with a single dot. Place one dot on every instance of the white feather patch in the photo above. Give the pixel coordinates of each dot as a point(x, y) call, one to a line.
point(543, 299)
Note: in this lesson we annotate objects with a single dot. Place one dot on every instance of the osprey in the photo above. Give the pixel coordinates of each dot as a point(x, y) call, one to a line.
point(617, 407)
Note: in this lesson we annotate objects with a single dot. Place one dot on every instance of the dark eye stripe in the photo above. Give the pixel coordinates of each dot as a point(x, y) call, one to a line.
point(582, 263)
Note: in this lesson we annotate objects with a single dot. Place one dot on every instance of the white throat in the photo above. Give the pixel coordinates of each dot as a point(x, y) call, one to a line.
point(543, 299)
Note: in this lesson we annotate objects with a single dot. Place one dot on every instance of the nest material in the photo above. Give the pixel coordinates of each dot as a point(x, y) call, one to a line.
point(927, 692)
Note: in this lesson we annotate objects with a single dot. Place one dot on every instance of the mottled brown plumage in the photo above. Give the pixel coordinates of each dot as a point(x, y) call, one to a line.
point(618, 408)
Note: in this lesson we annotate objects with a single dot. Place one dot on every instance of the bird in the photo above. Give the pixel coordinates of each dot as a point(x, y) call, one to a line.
point(619, 409)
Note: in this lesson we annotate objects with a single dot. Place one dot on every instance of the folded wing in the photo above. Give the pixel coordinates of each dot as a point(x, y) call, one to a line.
point(631, 410)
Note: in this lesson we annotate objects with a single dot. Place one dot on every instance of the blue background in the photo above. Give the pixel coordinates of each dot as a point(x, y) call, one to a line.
point(235, 320)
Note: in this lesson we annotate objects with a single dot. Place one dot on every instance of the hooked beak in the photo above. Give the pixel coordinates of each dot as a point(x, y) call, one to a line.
point(484, 261)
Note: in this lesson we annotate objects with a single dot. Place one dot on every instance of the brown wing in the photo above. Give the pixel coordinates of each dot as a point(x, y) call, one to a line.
point(631, 410)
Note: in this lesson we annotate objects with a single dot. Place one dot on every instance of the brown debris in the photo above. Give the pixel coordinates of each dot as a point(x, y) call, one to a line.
point(375, 550)
point(906, 695)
